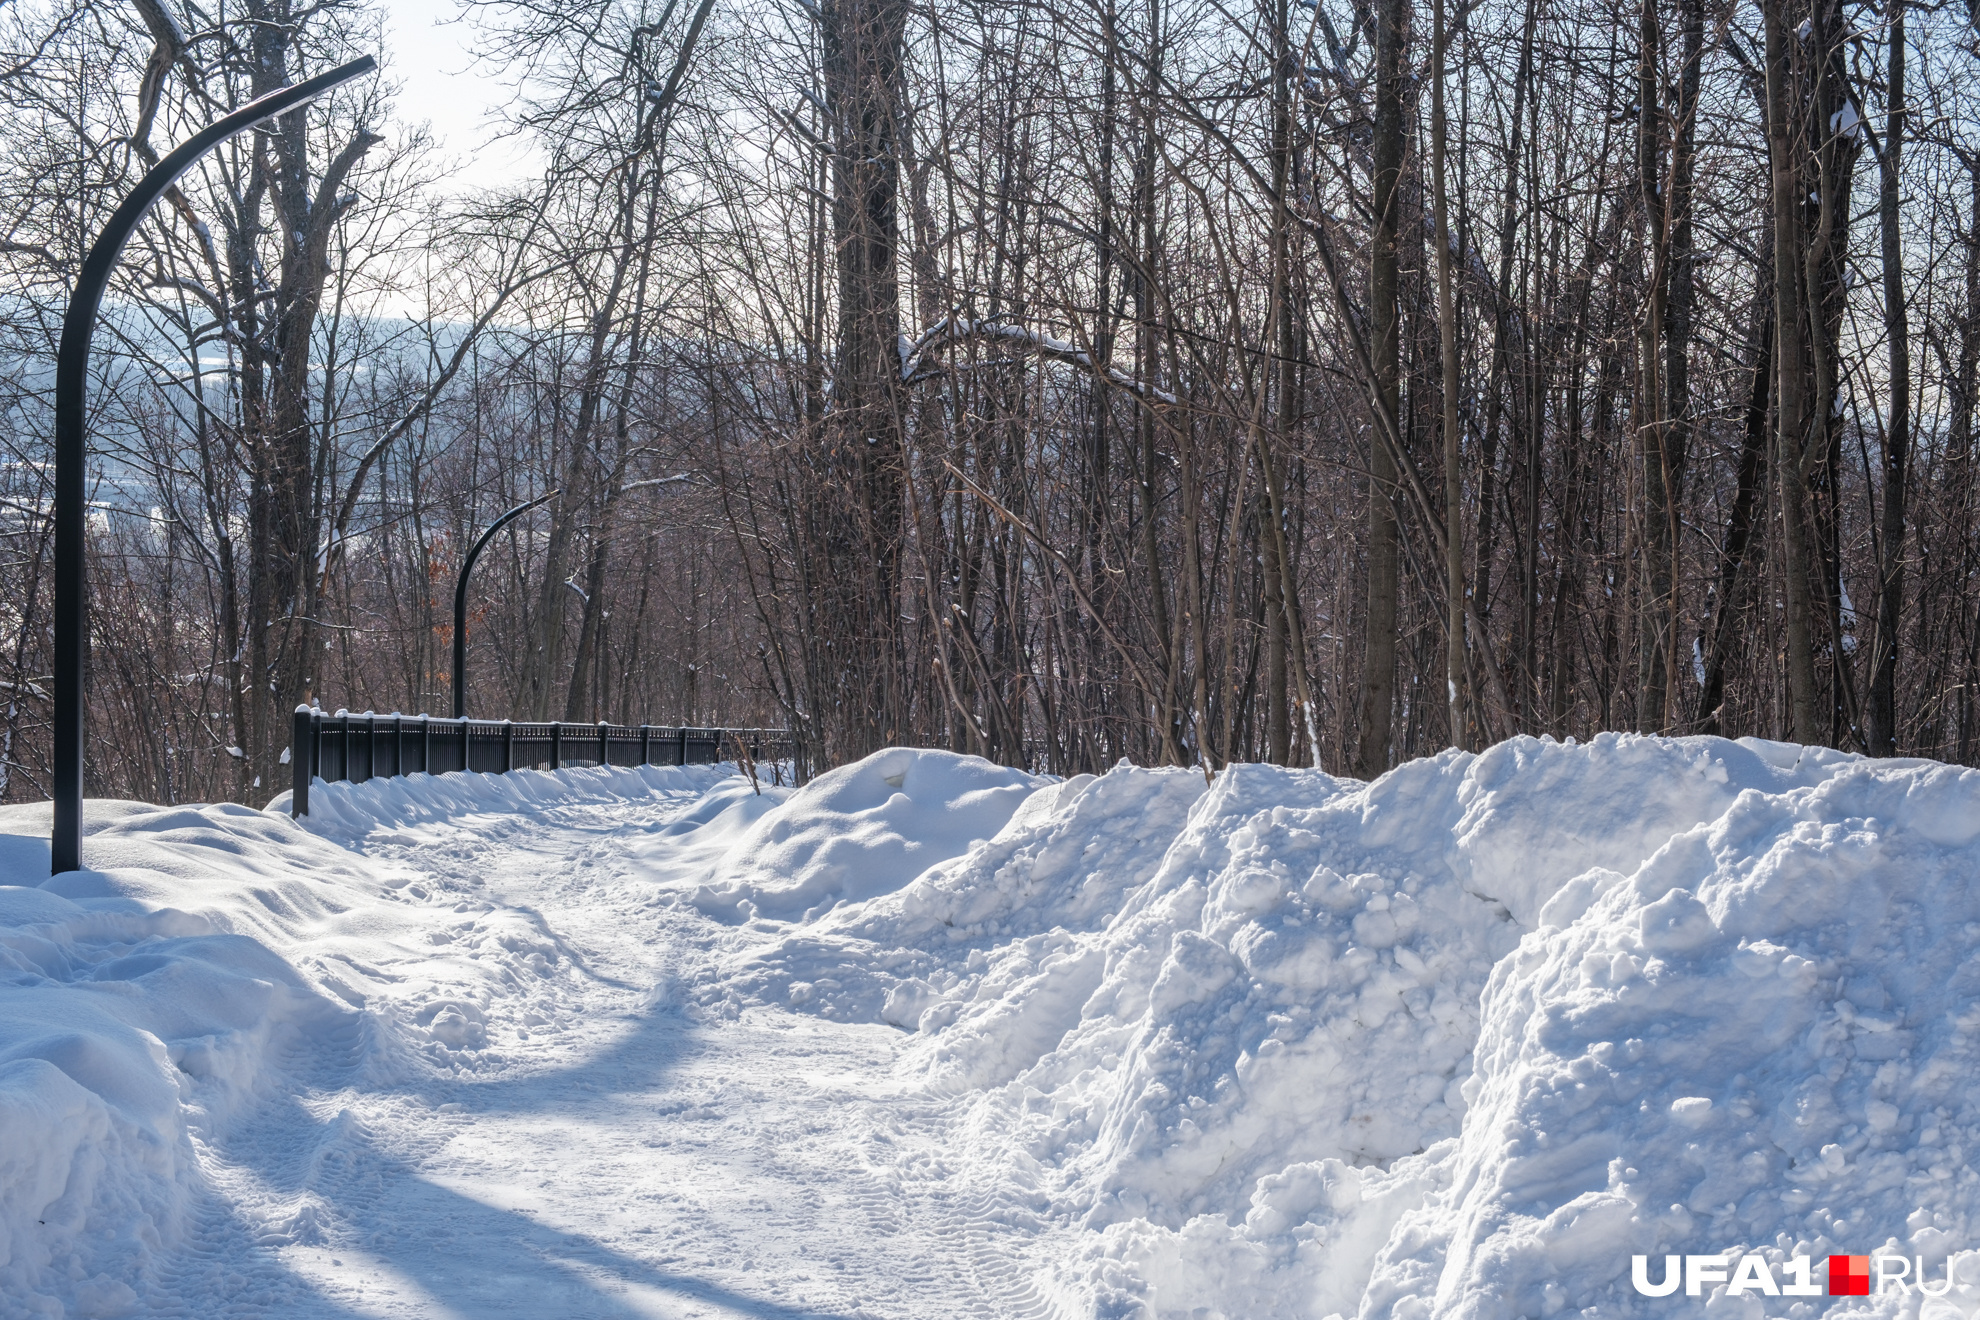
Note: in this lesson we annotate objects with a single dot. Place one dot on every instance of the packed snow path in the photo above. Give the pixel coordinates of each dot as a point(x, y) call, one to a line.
point(626, 1160)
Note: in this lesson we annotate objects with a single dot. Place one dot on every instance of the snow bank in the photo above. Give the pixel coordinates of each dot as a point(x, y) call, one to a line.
point(858, 831)
point(1455, 1043)
point(133, 1014)
point(215, 955)
point(1760, 1039)
point(349, 812)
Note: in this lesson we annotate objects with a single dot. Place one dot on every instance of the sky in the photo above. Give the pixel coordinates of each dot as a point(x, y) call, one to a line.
point(427, 53)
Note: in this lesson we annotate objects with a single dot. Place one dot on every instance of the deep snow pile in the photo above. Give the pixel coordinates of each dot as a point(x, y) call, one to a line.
point(145, 1006)
point(1456, 1043)
point(861, 830)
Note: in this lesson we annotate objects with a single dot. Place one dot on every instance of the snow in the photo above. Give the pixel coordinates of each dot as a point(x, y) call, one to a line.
point(928, 1036)
point(859, 831)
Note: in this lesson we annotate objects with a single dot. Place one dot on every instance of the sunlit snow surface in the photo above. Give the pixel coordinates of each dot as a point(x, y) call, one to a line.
point(933, 1038)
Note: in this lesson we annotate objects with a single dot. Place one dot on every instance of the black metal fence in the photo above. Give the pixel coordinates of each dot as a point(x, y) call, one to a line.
point(365, 746)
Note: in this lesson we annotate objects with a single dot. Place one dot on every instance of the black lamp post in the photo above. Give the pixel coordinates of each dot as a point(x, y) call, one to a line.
point(71, 372)
point(460, 598)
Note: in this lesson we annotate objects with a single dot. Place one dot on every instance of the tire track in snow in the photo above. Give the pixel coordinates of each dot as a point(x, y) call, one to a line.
point(276, 1182)
point(1008, 1240)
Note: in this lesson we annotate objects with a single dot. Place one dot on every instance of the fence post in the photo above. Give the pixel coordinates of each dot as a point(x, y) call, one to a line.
point(645, 744)
point(302, 751)
point(556, 745)
point(425, 744)
point(508, 746)
point(682, 758)
point(604, 749)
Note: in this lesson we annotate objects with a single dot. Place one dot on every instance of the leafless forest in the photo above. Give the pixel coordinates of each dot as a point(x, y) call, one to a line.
point(1057, 380)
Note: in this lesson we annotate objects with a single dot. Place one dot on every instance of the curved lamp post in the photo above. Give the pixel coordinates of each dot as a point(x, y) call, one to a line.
point(71, 371)
point(460, 597)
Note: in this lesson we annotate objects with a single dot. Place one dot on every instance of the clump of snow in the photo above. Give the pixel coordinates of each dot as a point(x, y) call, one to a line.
point(1064, 858)
point(862, 830)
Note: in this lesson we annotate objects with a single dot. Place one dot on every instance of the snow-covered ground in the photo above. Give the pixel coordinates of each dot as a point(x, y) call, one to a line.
point(933, 1038)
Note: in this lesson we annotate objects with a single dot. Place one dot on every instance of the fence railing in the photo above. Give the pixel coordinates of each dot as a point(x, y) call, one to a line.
point(357, 747)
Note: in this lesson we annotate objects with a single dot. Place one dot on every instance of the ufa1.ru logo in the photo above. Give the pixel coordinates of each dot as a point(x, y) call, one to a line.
point(1849, 1276)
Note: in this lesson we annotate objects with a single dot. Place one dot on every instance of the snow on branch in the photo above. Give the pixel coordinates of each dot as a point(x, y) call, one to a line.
point(955, 328)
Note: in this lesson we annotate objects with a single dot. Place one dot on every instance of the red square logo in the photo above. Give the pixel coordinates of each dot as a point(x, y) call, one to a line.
point(1849, 1276)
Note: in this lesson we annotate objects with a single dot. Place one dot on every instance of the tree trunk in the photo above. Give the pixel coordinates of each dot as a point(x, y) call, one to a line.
point(1881, 712)
point(578, 700)
point(1504, 380)
point(1749, 502)
point(1286, 634)
point(1147, 358)
point(1454, 662)
point(1378, 673)
point(1655, 612)
point(1792, 422)
point(858, 509)
point(285, 498)
point(1680, 297)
